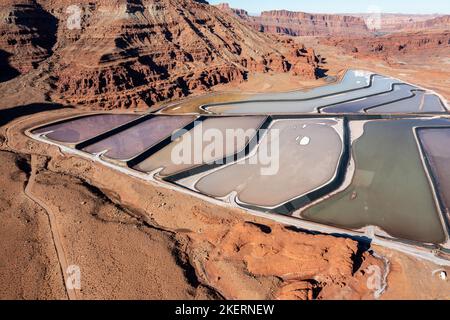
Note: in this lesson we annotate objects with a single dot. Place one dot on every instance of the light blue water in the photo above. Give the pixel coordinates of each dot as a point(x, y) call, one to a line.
point(400, 92)
point(380, 84)
point(421, 102)
point(352, 79)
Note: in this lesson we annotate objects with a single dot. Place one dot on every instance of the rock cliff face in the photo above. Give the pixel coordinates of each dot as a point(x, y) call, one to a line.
point(439, 23)
point(134, 53)
point(27, 34)
point(305, 24)
point(393, 44)
point(302, 24)
point(394, 22)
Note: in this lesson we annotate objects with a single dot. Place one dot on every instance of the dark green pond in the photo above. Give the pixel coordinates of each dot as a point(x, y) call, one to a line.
point(390, 188)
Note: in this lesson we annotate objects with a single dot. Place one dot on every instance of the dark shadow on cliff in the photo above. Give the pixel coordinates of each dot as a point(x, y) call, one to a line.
point(8, 115)
point(43, 23)
point(47, 31)
point(321, 72)
point(134, 6)
point(7, 72)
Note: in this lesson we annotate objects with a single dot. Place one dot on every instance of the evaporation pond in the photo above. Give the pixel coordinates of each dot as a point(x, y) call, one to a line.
point(421, 102)
point(135, 140)
point(352, 80)
point(379, 85)
point(303, 155)
point(436, 145)
point(211, 140)
point(83, 128)
point(390, 187)
point(401, 91)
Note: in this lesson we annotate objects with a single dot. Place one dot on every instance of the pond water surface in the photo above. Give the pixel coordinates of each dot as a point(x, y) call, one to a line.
point(390, 188)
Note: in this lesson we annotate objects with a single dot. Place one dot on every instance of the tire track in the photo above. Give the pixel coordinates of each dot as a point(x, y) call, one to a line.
point(55, 232)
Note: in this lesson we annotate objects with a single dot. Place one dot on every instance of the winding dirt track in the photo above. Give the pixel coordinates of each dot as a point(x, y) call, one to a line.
point(71, 293)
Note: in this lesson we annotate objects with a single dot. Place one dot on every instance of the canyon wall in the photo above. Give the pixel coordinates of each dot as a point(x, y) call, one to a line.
point(27, 34)
point(300, 23)
point(393, 44)
point(439, 23)
point(351, 25)
point(135, 53)
point(395, 22)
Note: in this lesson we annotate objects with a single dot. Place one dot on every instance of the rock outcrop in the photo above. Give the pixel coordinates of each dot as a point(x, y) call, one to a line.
point(27, 34)
point(393, 44)
point(134, 53)
point(301, 23)
point(262, 251)
point(439, 23)
point(393, 22)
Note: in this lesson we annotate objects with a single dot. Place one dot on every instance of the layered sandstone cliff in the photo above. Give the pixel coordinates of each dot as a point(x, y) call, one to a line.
point(439, 23)
point(393, 44)
point(134, 53)
point(27, 35)
point(301, 23)
point(306, 24)
point(394, 22)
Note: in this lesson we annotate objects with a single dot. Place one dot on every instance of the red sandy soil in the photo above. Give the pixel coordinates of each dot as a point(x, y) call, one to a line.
point(110, 246)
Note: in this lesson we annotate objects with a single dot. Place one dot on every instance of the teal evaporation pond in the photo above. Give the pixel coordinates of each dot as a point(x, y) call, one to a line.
point(390, 188)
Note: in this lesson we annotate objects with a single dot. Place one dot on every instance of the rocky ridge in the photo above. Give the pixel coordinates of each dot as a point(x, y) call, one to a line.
point(439, 23)
point(393, 44)
point(27, 35)
point(394, 22)
point(135, 53)
point(301, 23)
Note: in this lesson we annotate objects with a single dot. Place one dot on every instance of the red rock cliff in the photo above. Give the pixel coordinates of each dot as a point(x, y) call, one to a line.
point(393, 44)
point(27, 34)
point(302, 24)
point(134, 53)
point(439, 23)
